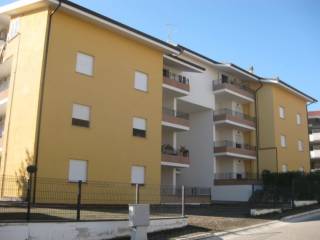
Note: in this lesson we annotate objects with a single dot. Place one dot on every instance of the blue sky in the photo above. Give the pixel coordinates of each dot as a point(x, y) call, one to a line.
point(279, 38)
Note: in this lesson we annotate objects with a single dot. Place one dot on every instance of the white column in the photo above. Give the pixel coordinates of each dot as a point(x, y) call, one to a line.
point(174, 140)
point(174, 180)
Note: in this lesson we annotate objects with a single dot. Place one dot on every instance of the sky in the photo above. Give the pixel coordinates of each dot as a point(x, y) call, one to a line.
point(280, 38)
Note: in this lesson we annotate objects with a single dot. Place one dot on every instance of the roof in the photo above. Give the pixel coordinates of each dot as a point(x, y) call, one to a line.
point(289, 87)
point(76, 9)
point(314, 114)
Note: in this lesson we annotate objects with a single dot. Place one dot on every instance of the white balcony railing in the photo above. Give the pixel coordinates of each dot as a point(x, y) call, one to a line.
point(314, 137)
point(315, 154)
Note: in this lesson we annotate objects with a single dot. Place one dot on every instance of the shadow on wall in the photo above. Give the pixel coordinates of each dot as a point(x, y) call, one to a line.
point(22, 176)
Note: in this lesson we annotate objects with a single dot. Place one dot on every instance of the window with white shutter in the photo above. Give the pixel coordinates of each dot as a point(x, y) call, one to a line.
point(141, 81)
point(80, 115)
point(139, 127)
point(84, 64)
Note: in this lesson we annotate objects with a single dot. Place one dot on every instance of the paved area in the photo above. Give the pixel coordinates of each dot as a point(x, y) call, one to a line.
point(302, 228)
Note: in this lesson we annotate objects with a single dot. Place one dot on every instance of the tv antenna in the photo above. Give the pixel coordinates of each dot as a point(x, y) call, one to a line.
point(170, 31)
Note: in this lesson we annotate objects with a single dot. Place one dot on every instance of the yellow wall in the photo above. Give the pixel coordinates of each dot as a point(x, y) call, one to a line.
point(108, 145)
point(271, 126)
point(26, 51)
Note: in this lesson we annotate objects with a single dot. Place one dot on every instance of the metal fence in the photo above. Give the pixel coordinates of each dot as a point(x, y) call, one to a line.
point(46, 199)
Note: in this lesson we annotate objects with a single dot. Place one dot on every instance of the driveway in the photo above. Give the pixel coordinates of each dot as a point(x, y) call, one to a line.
point(302, 228)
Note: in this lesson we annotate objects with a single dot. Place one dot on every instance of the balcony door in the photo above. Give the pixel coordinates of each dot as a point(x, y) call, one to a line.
point(238, 138)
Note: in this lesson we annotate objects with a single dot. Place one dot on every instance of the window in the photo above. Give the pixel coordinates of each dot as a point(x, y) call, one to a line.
point(137, 175)
point(283, 141)
point(300, 145)
point(14, 28)
point(81, 115)
point(141, 81)
point(84, 64)
point(282, 112)
point(284, 168)
point(77, 170)
point(139, 127)
point(298, 118)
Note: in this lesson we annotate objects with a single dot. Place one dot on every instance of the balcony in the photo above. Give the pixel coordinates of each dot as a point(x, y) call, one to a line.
point(173, 157)
point(227, 117)
point(315, 135)
point(231, 90)
point(315, 153)
point(175, 119)
point(232, 149)
point(235, 178)
point(175, 84)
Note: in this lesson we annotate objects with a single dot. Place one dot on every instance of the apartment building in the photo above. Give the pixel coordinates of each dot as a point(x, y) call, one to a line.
point(314, 138)
point(84, 97)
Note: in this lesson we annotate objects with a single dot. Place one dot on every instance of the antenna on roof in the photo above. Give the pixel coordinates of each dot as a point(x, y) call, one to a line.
point(251, 69)
point(170, 31)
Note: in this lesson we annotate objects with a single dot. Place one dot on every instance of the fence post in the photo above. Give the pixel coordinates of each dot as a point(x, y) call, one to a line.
point(137, 194)
point(292, 193)
point(79, 200)
point(182, 200)
point(29, 197)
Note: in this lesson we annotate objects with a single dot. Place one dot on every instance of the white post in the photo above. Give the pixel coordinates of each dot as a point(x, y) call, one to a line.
point(182, 200)
point(174, 180)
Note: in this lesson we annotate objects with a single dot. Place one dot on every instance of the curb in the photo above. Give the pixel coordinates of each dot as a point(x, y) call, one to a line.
point(300, 215)
point(204, 236)
point(232, 231)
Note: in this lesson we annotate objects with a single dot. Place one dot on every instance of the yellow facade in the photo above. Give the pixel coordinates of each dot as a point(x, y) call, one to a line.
point(26, 53)
point(272, 156)
point(108, 145)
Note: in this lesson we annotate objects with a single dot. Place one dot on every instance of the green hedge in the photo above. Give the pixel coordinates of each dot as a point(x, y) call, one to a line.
point(297, 185)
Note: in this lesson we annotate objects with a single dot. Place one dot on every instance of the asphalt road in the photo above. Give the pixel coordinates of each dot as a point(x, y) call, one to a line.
point(303, 228)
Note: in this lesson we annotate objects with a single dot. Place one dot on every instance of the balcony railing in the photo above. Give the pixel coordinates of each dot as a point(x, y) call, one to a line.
point(231, 144)
point(175, 113)
point(235, 178)
point(169, 154)
point(233, 116)
point(236, 87)
point(175, 117)
point(229, 147)
point(176, 80)
point(235, 175)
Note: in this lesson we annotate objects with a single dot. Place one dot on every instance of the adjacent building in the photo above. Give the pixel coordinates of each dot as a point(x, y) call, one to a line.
point(314, 137)
point(84, 97)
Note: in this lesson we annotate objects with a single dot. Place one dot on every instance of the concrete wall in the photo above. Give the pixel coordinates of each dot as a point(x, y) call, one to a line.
point(200, 142)
point(80, 230)
point(232, 193)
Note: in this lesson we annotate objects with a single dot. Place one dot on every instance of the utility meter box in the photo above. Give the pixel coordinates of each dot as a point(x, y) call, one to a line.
point(139, 215)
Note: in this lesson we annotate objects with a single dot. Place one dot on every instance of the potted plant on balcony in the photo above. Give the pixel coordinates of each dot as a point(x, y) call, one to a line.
point(184, 151)
point(167, 149)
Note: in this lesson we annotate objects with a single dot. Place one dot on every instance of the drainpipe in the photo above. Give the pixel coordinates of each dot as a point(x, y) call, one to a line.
point(257, 127)
point(45, 61)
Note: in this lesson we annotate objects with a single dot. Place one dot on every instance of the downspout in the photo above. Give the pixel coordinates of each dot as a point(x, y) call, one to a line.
point(257, 127)
point(44, 69)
